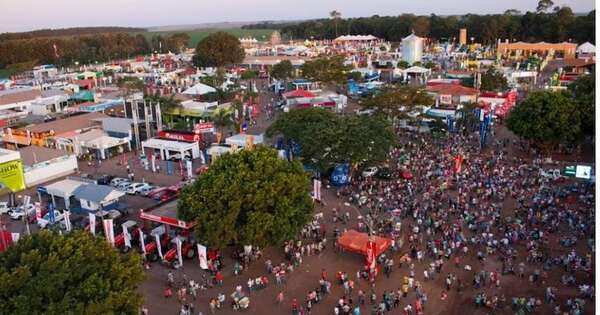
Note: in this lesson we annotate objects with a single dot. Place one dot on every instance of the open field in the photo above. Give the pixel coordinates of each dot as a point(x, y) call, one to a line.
point(199, 34)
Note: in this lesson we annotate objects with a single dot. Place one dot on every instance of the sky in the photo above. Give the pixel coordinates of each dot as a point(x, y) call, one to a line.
point(25, 15)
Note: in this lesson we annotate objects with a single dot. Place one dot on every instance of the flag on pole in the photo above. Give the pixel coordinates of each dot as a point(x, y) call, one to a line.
point(126, 236)
point(142, 242)
point(67, 215)
point(179, 257)
point(157, 237)
point(93, 224)
point(109, 231)
point(371, 255)
point(202, 257)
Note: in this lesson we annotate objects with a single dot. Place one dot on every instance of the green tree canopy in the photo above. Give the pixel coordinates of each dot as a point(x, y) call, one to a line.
point(217, 50)
point(325, 69)
point(282, 70)
point(584, 93)
point(48, 273)
point(177, 42)
point(326, 138)
point(547, 118)
point(248, 197)
point(493, 80)
point(398, 102)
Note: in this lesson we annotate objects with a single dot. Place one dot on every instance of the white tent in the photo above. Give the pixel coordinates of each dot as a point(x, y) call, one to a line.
point(586, 48)
point(199, 89)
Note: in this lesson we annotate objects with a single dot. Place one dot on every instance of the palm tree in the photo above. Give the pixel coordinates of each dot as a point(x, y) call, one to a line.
point(168, 107)
point(335, 15)
point(222, 118)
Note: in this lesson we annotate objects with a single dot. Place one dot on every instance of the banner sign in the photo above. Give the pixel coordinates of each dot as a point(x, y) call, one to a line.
point(179, 257)
point(317, 189)
point(207, 127)
point(180, 136)
point(11, 175)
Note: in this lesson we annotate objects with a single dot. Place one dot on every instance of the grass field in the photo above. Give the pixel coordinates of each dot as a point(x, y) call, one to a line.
point(198, 35)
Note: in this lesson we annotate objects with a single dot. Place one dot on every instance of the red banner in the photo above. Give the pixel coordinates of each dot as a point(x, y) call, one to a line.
point(180, 136)
point(204, 127)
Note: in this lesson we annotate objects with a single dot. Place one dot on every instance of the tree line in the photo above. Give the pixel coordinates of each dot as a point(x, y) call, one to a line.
point(72, 31)
point(547, 24)
point(99, 47)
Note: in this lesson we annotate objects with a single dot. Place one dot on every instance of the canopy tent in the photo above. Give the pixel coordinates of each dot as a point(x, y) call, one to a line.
point(356, 242)
point(200, 89)
point(417, 70)
point(586, 48)
point(299, 93)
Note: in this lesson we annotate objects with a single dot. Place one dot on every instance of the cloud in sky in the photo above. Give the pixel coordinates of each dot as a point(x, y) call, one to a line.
point(23, 15)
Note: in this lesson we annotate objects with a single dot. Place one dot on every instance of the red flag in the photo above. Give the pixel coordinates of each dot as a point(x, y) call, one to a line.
point(458, 163)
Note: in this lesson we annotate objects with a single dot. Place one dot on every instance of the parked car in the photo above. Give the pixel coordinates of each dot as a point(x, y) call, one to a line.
point(45, 220)
point(117, 180)
point(105, 179)
point(135, 188)
point(4, 208)
point(21, 211)
point(123, 186)
point(369, 171)
point(144, 191)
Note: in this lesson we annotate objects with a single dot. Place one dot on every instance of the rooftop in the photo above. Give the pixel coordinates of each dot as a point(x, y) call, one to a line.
point(67, 124)
point(34, 154)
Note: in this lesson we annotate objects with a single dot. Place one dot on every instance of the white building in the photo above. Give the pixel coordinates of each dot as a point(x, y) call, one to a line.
point(412, 48)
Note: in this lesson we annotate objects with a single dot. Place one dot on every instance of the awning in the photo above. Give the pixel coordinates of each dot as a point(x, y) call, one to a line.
point(356, 242)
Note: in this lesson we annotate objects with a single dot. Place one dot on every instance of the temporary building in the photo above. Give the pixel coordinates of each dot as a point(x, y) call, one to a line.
point(412, 48)
point(94, 197)
point(586, 48)
point(299, 93)
point(356, 242)
point(200, 89)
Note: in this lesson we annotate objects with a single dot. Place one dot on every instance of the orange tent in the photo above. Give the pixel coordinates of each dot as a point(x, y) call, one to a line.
point(357, 242)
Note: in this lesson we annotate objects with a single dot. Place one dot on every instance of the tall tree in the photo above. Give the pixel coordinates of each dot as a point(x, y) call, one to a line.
point(282, 70)
point(248, 197)
point(544, 5)
point(325, 138)
point(399, 102)
point(493, 80)
point(547, 118)
point(218, 50)
point(584, 93)
point(335, 16)
point(49, 273)
point(222, 119)
point(325, 69)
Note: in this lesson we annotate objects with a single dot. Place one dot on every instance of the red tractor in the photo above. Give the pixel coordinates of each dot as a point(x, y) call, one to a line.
point(188, 250)
point(132, 228)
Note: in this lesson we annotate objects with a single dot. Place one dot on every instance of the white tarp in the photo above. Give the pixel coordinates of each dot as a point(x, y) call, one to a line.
point(199, 89)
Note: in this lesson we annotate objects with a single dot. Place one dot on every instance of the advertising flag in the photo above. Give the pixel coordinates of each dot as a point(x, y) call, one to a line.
point(109, 231)
point(157, 238)
point(371, 254)
point(142, 242)
point(51, 216)
point(179, 257)
point(93, 224)
point(67, 215)
point(126, 236)
point(202, 257)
